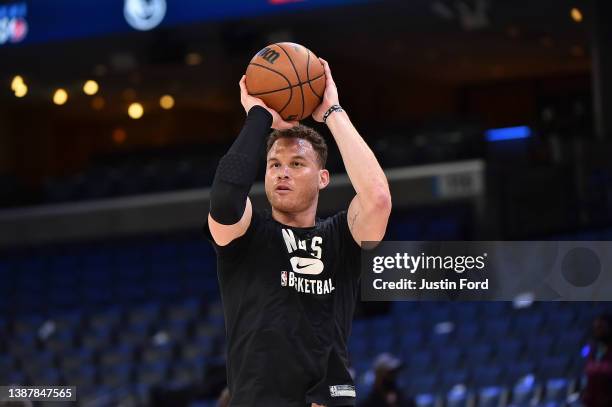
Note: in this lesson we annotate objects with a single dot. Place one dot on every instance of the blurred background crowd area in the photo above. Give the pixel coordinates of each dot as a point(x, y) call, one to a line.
point(492, 119)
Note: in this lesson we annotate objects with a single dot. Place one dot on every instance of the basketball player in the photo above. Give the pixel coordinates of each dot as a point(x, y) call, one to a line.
point(289, 280)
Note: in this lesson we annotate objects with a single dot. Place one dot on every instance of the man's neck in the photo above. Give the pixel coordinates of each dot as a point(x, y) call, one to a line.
point(302, 219)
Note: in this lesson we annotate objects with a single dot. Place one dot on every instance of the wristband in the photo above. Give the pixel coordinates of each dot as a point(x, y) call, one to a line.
point(333, 108)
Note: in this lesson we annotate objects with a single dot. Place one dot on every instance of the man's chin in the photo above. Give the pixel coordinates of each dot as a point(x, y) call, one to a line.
point(284, 205)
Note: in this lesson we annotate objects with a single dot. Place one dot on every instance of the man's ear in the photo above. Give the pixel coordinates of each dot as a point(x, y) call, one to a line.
point(323, 179)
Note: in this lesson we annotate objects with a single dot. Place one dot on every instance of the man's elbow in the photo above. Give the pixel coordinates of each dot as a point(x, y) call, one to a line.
point(382, 201)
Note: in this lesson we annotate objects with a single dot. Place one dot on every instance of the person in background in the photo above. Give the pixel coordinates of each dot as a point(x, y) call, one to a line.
point(385, 392)
point(598, 370)
point(224, 398)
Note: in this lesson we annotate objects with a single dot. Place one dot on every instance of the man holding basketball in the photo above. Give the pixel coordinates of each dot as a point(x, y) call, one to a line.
point(289, 281)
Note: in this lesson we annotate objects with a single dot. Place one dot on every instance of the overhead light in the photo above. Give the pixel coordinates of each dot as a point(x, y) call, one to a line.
point(577, 51)
point(119, 136)
point(91, 87)
point(129, 94)
point(547, 41)
point(193, 59)
point(513, 31)
point(16, 82)
point(576, 14)
point(21, 90)
point(135, 111)
point(98, 103)
point(60, 97)
point(166, 102)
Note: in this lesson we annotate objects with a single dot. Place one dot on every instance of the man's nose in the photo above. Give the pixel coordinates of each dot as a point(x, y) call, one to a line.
point(283, 172)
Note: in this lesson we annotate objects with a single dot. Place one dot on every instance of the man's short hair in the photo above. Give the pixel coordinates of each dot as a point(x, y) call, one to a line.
point(305, 133)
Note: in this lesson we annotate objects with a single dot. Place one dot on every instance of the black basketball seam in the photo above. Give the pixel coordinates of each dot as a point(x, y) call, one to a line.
point(284, 77)
point(308, 76)
point(287, 87)
point(298, 77)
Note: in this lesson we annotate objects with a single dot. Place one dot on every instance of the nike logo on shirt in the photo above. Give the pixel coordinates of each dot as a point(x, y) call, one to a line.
point(306, 265)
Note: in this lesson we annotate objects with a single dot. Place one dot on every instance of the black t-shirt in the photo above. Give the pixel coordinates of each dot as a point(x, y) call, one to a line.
point(289, 296)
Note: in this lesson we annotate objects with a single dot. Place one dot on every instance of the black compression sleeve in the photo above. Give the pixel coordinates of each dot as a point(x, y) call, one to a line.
point(237, 169)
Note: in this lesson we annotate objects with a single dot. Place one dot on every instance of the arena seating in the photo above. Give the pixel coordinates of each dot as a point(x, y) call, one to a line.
point(120, 319)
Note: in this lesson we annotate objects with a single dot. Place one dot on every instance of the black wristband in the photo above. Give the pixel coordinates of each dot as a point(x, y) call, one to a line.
point(333, 108)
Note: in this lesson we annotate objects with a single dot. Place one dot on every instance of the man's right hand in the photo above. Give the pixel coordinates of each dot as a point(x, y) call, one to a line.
point(249, 101)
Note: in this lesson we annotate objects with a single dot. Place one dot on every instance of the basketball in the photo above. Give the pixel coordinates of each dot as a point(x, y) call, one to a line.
point(288, 77)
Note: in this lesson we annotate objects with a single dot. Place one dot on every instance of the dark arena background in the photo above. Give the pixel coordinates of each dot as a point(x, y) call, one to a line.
point(491, 118)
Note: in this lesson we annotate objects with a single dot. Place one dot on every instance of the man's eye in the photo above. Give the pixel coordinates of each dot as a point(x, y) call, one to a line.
point(297, 163)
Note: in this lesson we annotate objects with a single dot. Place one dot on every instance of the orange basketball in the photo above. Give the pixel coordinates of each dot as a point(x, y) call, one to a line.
point(288, 77)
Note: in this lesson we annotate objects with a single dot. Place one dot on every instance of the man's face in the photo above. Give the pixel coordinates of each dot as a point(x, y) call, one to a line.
point(293, 175)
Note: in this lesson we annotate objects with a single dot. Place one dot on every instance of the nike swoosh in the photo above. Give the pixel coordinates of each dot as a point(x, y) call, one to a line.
point(306, 265)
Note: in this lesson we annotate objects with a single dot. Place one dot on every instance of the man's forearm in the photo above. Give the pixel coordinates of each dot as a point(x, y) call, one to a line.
point(237, 169)
point(364, 171)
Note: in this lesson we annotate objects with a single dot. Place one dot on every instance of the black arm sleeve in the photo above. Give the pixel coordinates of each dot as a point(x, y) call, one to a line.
point(237, 169)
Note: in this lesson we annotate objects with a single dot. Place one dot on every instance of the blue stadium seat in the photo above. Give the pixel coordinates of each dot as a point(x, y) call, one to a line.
point(80, 376)
point(556, 390)
point(383, 341)
point(528, 321)
point(200, 348)
point(467, 333)
point(490, 396)
point(154, 354)
point(497, 328)
point(135, 334)
point(47, 377)
point(116, 356)
point(497, 309)
point(441, 313)
point(451, 378)
point(478, 354)
point(22, 346)
point(458, 396)
point(60, 342)
point(358, 346)
point(539, 346)
point(27, 325)
point(144, 314)
point(96, 340)
point(152, 373)
point(439, 341)
point(561, 320)
point(76, 358)
point(117, 375)
point(187, 310)
point(484, 376)
point(411, 341)
point(421, 384)
point(449, 358)
point(68, 321)
point(17, 377)
point(552, 367)
point(7, 364)
point(508, 351)
point(420, 362)
point(517, 369)
point(570, 342)
point(188, 370)
point(524, 391)
point(425, 400)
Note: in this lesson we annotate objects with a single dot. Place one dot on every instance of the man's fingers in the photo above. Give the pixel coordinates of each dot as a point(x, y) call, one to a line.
point(283, 125)
point(328, 76)
point(242, 84)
